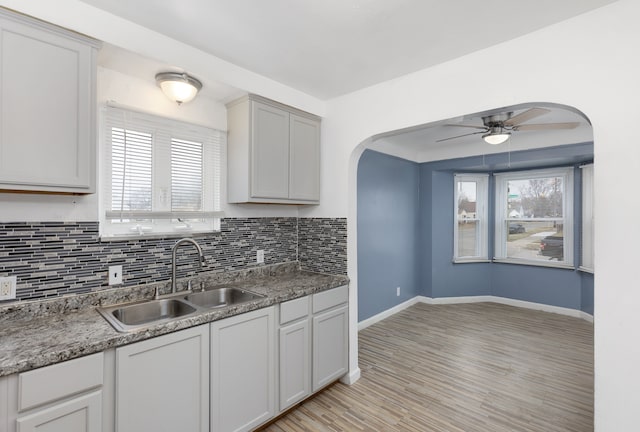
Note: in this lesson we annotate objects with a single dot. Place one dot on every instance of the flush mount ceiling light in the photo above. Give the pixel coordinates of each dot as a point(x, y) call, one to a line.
point(497, 135)
point(179, 87)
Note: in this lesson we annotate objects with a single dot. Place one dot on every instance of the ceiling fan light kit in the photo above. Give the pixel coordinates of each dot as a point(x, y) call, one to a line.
point(498, 137)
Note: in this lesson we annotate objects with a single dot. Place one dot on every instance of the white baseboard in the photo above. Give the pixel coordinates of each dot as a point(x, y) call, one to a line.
point(475, 299)
point(351, 377)
point(394, 310)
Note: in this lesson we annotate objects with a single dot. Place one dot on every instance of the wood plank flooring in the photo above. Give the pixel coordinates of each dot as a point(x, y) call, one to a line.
point(462, 367)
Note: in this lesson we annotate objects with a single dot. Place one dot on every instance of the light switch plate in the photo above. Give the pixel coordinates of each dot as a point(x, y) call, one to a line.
point(8, 287)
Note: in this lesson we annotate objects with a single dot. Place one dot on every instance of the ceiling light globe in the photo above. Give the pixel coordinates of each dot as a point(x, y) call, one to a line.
point(178, 87)
point(495, 139)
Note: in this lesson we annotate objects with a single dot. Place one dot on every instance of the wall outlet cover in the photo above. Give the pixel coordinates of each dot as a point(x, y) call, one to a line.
point(8, 287)
point(115, 275)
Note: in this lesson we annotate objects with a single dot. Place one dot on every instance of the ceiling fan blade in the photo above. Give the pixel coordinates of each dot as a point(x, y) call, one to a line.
point(546, 126)
point(460, 136)
point(468, 126)
point(526, 116)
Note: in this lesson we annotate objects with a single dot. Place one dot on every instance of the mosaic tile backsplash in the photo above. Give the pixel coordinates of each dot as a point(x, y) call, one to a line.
point(56, 258)
point(323, 245)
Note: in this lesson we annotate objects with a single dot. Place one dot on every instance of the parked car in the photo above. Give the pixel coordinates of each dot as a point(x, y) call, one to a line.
point(553, 247)
point(516, 228)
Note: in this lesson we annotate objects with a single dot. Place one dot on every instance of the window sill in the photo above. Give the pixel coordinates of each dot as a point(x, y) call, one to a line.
point(470, 260)
point(586, 270)
point(550, 264)
point(156, 236)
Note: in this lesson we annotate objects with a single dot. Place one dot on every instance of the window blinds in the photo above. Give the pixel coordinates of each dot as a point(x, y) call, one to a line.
point(158, 175)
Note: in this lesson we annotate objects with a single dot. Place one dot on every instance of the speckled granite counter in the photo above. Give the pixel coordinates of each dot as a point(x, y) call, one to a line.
point(38, 334)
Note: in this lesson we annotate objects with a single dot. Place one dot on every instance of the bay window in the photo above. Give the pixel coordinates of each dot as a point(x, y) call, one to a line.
point(471, 225)
point(534, 217)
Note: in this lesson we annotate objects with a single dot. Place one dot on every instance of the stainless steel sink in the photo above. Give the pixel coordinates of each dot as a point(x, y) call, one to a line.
point(125, 318)
point(221, 297)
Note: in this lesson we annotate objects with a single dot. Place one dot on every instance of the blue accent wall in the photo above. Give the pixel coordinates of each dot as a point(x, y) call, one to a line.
point(388, 220)
point(405, 234)
point(587, 293)
point(448, 279)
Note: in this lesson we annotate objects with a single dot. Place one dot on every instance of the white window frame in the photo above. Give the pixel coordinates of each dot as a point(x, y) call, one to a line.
point(481, 218)
point(587, 262)
point(161, 221)
point(500, 246)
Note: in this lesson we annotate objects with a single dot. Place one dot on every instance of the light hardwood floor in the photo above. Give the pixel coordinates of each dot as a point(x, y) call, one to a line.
point(463, 367)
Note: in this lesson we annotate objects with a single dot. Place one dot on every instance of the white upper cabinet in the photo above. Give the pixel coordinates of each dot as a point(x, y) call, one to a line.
point(47, 107)
point(304, 154)
point(273, 153)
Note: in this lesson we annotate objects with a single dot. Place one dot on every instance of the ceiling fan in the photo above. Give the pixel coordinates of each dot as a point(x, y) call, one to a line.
point(498, 127)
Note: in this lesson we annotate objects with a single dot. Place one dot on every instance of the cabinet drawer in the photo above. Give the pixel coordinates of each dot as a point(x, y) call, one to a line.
point(54, 382)
point(294, 309)
point(330, 298)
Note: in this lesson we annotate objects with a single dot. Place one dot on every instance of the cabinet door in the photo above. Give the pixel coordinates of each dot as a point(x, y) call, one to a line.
point(82, 414)
point(295, 361)
point(162, 384)
point(304, 178)
point(269, 152)
point(330, 346)
point(242, 371)
point(47, 112)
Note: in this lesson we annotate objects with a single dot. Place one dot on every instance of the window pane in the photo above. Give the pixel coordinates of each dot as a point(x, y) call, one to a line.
point(535, 240)
point(468, 237)
point(186, 175)
point(467, 200)
point(535, 198)
point(131, 160)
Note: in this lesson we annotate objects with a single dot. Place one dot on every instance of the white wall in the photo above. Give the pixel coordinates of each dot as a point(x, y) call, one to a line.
point(144, 95)
point(589, 62)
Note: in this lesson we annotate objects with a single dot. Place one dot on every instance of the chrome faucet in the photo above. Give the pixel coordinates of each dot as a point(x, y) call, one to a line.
point(173, 259)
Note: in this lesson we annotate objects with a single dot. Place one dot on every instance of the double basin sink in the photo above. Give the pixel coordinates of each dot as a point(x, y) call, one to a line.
point(134, 316)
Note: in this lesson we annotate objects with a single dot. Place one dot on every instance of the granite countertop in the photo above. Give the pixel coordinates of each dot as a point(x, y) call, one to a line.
point(47, 332)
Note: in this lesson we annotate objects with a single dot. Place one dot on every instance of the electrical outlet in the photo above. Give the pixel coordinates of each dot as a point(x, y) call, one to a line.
point(115, 275)
point(260, 256)
point(398, 292)
point(8, 287)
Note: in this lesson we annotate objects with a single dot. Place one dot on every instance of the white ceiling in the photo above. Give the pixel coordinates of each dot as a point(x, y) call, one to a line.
point(327, 48)
point(419, 144)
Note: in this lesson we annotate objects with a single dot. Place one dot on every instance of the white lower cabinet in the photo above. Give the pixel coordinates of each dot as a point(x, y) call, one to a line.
point(313, 340)
point(64, 397)
point(162, 384)
point(243, 368)
point(295, 363)
point(330, 346)
point(82, 414)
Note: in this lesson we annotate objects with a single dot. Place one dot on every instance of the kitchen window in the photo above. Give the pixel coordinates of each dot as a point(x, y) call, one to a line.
point(471, 224)
point(534, 217)
point(160, 177)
